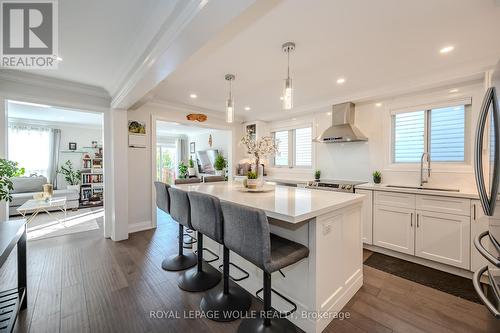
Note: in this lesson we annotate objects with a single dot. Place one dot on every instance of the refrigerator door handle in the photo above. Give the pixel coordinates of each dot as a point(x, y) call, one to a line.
point(476, 281)
point(490, 99)
point(479, 246)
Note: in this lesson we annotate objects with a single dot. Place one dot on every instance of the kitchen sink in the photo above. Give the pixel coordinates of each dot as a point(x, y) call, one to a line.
point(425, 188)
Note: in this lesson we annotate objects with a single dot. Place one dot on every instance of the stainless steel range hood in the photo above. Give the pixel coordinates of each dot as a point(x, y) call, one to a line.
point(342, 129)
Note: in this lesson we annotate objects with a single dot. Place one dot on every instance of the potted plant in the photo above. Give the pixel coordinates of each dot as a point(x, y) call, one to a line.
point(317, 174)
point(183, 170)
point(219, 164)
point(191, 169)
point(8, 169)
point(71, 176)
point(252, 180)
point(377, 177)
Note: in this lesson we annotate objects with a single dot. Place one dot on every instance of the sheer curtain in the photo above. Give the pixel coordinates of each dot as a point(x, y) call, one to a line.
point(36, 149)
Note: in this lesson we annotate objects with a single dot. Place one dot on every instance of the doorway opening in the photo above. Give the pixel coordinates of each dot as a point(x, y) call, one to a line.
point(59, 186)
point(188, 152)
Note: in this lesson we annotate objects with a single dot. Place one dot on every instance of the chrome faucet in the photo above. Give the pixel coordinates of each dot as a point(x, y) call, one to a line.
point(428, 169)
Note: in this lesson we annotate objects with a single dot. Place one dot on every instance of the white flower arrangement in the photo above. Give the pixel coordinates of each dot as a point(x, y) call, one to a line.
point(264, 147)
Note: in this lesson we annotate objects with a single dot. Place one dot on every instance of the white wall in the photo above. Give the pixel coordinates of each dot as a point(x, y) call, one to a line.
point(221, 140)
point(140, 159)
point(357, 160)
point(82, 135)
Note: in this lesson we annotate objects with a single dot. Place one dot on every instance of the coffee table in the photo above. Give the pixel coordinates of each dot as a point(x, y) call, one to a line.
point(33, 207)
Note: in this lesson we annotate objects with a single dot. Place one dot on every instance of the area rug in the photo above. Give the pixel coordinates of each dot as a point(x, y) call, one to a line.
point(46, 226)
point(430, 277)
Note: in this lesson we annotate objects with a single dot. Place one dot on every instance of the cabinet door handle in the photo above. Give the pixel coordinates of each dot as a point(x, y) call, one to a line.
point(474, 211)
point(418, 224)
point(411, 220)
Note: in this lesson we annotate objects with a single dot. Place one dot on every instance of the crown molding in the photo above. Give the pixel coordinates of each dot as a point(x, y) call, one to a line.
point(18, 76)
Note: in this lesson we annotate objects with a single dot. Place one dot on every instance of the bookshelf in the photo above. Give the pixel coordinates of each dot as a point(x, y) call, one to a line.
point(92, 178)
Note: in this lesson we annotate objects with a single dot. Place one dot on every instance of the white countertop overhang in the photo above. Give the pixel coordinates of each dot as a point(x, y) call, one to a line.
point(290, 204)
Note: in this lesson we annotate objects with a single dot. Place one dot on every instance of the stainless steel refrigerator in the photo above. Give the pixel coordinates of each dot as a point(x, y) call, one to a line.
point(487, 172)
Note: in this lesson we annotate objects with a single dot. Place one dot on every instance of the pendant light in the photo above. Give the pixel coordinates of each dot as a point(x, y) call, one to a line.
point(230, 100)
point(287, 88)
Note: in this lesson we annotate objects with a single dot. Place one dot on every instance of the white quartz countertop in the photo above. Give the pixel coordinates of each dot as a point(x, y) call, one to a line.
point(290, 204)
point(384, 187)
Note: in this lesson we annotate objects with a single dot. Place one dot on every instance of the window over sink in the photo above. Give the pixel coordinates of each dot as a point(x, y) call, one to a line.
point(441, 132)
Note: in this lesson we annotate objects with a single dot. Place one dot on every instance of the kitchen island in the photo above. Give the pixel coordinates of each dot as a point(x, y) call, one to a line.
point(328, 223)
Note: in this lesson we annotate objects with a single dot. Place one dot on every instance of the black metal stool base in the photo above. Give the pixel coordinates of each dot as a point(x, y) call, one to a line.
point(179, 262)
point(226, 307)
point(256, 325)
point(193, 280)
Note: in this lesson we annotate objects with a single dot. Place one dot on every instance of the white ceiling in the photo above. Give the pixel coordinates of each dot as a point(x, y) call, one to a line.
point(377, 46)
point(48, 114)
point(100, 41)
point(164, 128)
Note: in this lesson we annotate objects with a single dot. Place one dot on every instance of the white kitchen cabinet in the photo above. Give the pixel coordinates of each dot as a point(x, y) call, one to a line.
point(393, 228)
point(443, 238)
point(440, 204)
point(367, 216)
point(392, 199)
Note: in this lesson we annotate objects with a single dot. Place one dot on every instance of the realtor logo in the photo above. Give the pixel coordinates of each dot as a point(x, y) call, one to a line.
point(29, 34)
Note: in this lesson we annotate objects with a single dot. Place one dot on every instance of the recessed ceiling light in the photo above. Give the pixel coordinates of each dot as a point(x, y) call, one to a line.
point(247, 108)
point(281, 98)
point(446, 49)
point(453, 91)
point(193, 96)
point(378, 104)
point(340, 80)
point(328, 113)
point(59, 59)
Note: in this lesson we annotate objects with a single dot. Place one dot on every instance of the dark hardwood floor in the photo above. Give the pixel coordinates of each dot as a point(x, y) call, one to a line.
point(85, 283)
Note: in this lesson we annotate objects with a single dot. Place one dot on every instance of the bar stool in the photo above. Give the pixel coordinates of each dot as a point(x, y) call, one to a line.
point(188, 244)
point(180, 214)
point(203, 276)
point(206, 216)
point(246, 232)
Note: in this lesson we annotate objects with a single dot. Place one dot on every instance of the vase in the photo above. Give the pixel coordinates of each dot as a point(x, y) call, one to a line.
point(75, 188)
point(252, 183)
point(260, 175)
point(48, 190)
point(219, 172)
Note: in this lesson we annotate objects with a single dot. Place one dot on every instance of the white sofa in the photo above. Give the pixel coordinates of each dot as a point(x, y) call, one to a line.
point(26, 187)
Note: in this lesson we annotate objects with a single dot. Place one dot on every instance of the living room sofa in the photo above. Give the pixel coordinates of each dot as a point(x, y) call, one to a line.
point(26, 187)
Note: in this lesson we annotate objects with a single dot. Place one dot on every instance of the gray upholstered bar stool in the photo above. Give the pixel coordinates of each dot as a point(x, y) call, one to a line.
point(180, 261)
point(206, 217)
point(188, 244)
point(246, 232)
point(203, 276)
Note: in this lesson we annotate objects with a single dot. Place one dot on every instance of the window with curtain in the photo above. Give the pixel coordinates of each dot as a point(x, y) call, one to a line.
point(439, 132)
point(294, 147)
point(35, 148)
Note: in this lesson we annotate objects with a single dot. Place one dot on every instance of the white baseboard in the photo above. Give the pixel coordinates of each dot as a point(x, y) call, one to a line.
point(139, 226)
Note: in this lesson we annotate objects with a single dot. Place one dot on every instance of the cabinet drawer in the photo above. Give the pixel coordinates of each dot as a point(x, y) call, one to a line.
point(393, 199)
point(441, 204)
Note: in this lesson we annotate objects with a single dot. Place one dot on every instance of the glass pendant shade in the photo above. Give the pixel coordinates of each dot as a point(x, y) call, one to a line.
point(229, 110)
point(230, 100)
point(288, 94)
